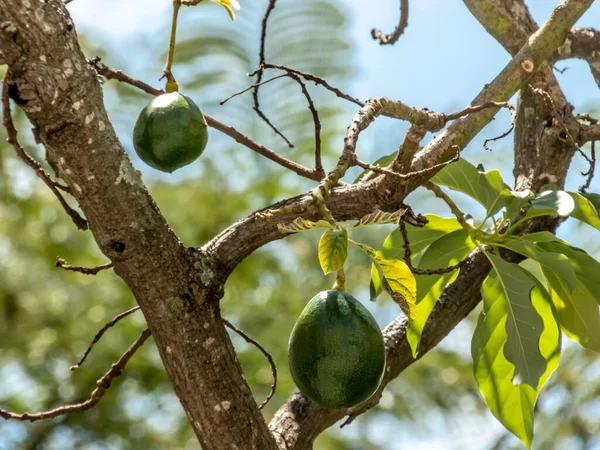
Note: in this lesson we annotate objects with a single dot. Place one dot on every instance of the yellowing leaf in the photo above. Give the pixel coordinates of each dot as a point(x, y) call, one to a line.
point(399, 282)
point(333, 250)
point(229, 5)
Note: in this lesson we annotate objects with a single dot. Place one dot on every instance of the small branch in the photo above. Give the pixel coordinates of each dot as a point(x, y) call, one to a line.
point(315, 79)
point(417, 271)
point(316, 121)
point(101, 333)
point(259, 72)
point(582, 43)
point(590, 173)
point(84, 270)
point(455, 210)
point(299, 169)
point(389, 39)
point(11, 132)
point(513, 117)
point(251, 87)
point(408, 176)
point(101, 386)
point(264, 352)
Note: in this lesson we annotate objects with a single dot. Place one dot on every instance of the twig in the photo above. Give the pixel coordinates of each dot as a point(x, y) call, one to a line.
point(408, 260)
point(310, 77)
point(299, 169)
point(590, 173)
point(264, 352)
point(84, 270)
point(251, 87)
point(591, 161)
point(389, 39)
point(311, 107)
point(11, 132)
point(407, 176)
point(259, 72)
point(513, 116)
point(101, 333)
point(455, 210)
point(316, 121)
point(101, 386)
point(167, 73)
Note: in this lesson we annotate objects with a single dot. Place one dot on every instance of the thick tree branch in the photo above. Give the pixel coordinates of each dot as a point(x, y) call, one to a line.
point(299, 421)
point(582, 43)
point(176, 288)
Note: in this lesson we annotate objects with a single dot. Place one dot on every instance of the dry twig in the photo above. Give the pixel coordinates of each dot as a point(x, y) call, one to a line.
point(84, 270)
point(101, 333)
point(264, 352)
point(101, 386)
point(11, 133)
point(389, 39)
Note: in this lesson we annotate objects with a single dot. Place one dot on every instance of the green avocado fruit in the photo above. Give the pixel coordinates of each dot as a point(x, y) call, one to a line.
point(336, 351)
point(170, 132)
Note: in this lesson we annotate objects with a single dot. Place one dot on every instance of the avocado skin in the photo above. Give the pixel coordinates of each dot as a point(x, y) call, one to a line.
point(336, 351)
point(170, 132)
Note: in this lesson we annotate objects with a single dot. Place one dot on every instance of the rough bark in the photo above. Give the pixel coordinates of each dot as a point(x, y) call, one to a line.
point(177, 288)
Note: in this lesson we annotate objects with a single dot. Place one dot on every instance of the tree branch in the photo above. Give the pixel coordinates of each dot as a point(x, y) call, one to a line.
point(582, 43)
point(389, 39)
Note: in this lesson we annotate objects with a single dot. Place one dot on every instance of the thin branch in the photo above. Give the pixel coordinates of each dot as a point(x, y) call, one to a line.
point(11, 132)
point(84, 270)
point(417, 271)
point(264, 352)
point(590, 173)
point(101, 333)
point(241, 138)
point(251, 87)
point(259, 73)
point(410, 175)
point(316, 121)
point(389, 39)
point(513, 118)
point(315, 79)
point(101, 386)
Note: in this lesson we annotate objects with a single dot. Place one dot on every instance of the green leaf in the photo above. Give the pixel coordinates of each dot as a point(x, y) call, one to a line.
point(512, 405)
point(464, 177)
point(594, 199)
point(523, 324)
point(384, 161)
point(229, 5)
point(587, 269)
point(333, 250)
point(551, 203)
point(513, 201)
point(447, 250)
point(585, 210)
point(419, 237)
point(378, 217)
point(577, 311)
point(299, 224)
point(399, 282)
point(556, 262)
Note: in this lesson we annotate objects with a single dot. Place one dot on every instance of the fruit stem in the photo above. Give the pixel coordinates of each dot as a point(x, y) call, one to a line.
point(340, 281)
point(171, 85)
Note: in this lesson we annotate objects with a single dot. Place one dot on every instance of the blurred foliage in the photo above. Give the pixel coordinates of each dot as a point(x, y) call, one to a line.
point(48, 315)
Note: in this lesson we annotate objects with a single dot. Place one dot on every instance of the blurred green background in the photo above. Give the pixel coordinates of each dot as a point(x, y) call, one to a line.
point(48, 316)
